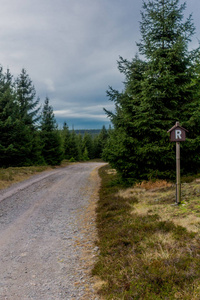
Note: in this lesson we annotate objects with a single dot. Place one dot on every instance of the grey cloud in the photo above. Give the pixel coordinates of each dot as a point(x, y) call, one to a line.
point(70, 48)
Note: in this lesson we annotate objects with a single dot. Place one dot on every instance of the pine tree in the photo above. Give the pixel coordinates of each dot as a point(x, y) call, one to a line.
point(25, 96)
point(99, 142)
point(88, 144)
point(50, 137)
point(15, 136)
point(74, 152)
point(103, 136)
point(159, 90)
point(66, 141)
point(48, 122)
point(80, 147)
point(28, 115)
point(85, 155)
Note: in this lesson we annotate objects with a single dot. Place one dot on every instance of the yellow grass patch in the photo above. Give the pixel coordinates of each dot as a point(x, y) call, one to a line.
point(156, 254)
point(159, 198)
point(111, 172)
point(13, 175)
point(191, 222)
point(164, 247)
point(147, 185)
point(131, 192)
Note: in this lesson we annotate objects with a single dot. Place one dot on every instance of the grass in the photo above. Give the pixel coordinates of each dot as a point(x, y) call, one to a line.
point(13, 175)
point(9, 176)
point(149, 247)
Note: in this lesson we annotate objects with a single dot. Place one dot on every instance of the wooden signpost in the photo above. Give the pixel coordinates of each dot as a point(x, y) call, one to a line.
point(178, 134)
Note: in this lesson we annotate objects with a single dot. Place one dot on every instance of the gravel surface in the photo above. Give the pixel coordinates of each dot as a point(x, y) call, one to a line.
point(47, 235)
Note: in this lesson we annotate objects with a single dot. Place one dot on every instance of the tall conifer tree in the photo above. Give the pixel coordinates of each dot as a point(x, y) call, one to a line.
point(66, 141)
point(26, 99)
point(28, 112)
point(88, 144)
point(15, 136)
point(52, 144)
point(159, 90)
point(74, 152)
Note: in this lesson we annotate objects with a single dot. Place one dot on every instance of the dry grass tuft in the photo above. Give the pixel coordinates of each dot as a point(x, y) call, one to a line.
point(164, 247)
point(149, 185)
point(111, 172)
point(141, 189)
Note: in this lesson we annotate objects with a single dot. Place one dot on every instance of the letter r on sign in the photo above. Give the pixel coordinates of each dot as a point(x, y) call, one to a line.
point(178, 134)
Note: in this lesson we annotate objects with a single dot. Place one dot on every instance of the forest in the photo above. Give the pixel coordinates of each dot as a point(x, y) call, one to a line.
point(161, 87)
point(29, 134)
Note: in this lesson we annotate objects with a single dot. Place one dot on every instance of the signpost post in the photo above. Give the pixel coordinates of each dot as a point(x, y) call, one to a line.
point(178, 134)
point(178, 174)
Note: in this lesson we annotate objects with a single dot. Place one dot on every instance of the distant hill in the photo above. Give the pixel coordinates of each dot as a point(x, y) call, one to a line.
point(93, 132)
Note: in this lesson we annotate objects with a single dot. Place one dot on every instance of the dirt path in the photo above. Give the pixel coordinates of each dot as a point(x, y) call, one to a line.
point(47, 234)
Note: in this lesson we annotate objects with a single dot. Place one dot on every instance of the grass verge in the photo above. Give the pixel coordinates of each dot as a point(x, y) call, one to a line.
point(13, 175)
point(149, 248)
point(9, 176)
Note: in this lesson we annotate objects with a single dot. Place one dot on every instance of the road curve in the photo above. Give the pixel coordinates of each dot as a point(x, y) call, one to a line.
point(47, 232)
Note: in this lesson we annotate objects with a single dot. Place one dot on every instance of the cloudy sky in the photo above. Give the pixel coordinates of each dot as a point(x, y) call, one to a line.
point(70, 50)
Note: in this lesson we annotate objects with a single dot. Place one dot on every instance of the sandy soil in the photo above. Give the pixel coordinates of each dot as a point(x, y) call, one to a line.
point(47, 235)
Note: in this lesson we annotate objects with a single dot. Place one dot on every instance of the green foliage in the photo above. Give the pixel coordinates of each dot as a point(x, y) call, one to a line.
point(74, 150)
point(52, 150)
point(158, 91)
point(80, 147)
point(16, 139)
point(100, 142)
point(52, 143)
point(83, 145)
point(72, 159)
point(29, 137)
point(25, 98)
point(66, 141)
point(48, 122)
point(88, 144)
point(85, 155)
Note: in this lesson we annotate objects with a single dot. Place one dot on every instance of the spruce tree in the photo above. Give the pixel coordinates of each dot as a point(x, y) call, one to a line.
point(159, 90)
point(74, 152)
point(50, 137)
point(80, 146)
point(26, 99)
point(66, 141)
point(88, 144)
point(15, 136)
point(28, 114)
point(102, 138)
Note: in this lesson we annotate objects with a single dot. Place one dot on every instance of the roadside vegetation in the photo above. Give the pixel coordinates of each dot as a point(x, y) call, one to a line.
point(149, 247)
point(11, 175)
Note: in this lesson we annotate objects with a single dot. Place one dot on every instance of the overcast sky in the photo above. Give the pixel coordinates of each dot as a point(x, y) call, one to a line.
point(70, 50)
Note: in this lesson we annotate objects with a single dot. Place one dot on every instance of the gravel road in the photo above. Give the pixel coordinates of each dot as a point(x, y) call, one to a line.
point(47, 235)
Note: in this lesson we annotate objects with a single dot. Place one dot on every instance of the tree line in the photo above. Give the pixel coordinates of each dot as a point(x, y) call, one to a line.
point(161, 86)
point(29, 134)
